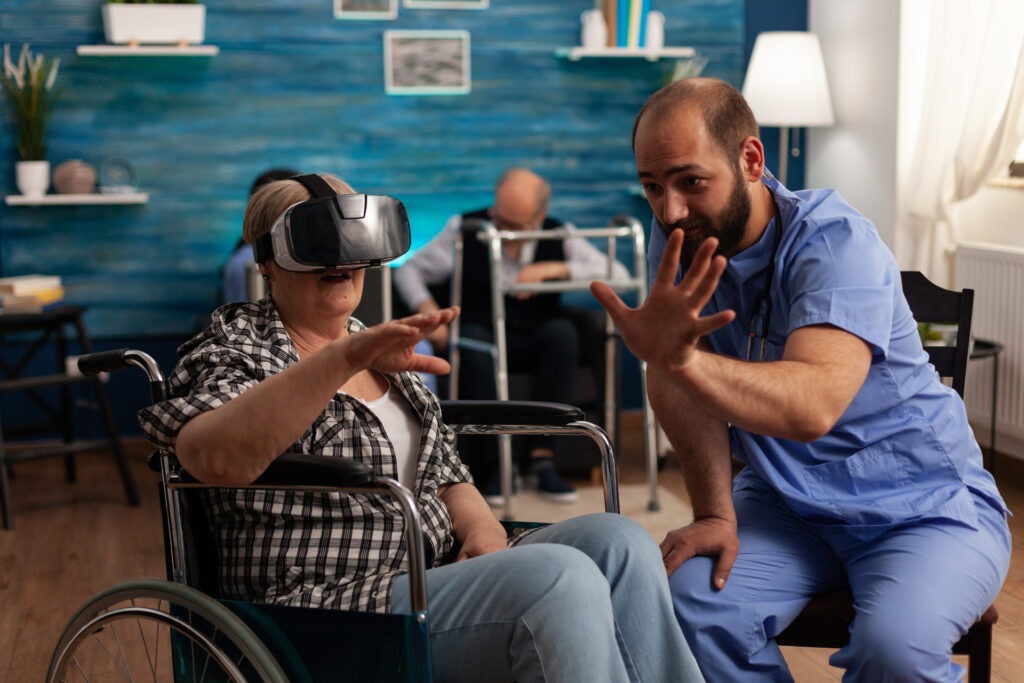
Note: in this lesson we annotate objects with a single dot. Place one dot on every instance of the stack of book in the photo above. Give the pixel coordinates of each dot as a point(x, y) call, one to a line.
point(30, 293)
point(627, 22)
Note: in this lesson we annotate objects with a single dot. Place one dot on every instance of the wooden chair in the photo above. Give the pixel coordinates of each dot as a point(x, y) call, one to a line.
point(825, 621)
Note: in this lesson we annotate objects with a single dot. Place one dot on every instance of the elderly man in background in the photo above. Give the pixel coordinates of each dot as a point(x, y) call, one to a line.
point(543, 337)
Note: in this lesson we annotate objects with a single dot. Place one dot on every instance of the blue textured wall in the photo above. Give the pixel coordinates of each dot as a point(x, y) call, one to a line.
point(293, 86)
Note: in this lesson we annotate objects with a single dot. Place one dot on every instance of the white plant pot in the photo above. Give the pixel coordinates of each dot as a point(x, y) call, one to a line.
point(32, 177)
point(159, 24)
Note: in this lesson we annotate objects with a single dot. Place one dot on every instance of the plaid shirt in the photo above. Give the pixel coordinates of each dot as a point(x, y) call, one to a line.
point(307, 549)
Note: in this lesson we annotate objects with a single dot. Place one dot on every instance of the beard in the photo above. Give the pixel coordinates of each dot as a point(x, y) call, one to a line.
point(728, 226)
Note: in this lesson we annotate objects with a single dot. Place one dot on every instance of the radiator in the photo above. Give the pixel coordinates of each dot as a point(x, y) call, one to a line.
point(996, 274)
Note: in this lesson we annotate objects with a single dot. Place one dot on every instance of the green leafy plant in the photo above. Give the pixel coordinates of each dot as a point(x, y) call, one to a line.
point(29, 86)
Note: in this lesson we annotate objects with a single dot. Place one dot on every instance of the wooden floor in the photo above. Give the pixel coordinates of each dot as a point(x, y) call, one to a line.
point(73, 539)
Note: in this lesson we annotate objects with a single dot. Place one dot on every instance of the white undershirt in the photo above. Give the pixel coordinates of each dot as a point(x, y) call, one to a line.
point(403, 429)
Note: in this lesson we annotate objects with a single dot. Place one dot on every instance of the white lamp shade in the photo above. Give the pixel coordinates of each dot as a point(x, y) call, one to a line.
point(785, 83)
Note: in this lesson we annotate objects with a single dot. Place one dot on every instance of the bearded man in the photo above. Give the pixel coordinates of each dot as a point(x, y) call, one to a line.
point(776, 332)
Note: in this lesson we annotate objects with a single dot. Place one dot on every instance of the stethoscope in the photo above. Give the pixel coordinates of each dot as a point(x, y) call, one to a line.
point(760, 321)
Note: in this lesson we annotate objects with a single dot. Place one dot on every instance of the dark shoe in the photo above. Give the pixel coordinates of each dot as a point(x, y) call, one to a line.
point(492, 492)
point(550, 484)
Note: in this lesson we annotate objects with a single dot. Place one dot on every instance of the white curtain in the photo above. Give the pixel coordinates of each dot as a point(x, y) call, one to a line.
point(972, 122)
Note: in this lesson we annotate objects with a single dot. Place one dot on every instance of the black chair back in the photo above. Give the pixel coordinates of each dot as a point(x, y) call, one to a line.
point(931, 303)
point(825, 621)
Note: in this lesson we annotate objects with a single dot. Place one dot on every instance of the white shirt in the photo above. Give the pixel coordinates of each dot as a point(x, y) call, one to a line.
point(402, 429)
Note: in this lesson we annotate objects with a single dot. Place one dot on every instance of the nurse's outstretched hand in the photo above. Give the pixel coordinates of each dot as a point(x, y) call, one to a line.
point(665, 329)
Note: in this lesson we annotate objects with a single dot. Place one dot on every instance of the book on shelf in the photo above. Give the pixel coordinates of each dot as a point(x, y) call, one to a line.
point(36, 302)
point(622, 23)
point(611, 10)
point(627, 22)
point(643, 9)
point(29, 284)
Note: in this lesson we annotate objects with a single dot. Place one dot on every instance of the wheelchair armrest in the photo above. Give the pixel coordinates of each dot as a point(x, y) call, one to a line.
point(293, 469)
point(508, 413)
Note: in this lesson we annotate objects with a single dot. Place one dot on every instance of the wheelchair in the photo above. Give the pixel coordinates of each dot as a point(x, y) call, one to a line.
point(177, 629)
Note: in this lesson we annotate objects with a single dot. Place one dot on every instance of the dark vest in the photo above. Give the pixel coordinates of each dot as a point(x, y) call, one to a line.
point(476, 282)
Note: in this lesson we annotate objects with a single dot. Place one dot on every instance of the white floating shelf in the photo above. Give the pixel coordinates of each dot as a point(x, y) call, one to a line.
point(578, 53)
point(74, 199)
point(148, 50)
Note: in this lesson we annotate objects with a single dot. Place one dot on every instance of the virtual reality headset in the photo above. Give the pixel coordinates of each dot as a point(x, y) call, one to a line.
point(336, 231)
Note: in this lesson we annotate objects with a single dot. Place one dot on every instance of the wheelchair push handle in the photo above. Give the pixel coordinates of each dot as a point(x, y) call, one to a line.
point(92, 364)
point(102, 361)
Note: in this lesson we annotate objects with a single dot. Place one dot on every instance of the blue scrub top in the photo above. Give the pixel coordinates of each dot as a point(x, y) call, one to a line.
point(903, 451)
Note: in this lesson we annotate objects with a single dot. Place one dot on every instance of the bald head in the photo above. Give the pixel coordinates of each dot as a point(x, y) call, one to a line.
point(726, 115)
point(521, 199)
point(701, 164)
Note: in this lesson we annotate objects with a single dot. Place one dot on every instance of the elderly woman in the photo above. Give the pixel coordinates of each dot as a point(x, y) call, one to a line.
point(582, 600)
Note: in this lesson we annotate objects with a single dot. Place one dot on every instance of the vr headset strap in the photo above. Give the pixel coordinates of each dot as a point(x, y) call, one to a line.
point(318, 187)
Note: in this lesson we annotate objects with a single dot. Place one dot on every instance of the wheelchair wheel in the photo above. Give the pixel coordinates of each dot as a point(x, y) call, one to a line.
point(159, 631)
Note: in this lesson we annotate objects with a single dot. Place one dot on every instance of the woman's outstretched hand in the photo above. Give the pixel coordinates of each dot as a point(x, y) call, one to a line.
point(389, 346)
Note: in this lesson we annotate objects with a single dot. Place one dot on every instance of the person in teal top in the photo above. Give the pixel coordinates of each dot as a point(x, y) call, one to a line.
point(776, 332)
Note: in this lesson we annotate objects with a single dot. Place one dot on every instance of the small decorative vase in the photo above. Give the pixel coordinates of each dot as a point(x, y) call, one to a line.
point(655, 31)
point(32, 177)
point(74, 177)
point(594, 31)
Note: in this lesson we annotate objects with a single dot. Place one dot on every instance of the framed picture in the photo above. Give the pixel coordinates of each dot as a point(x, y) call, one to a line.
point(426, 62)
point(446, 4)
point(365, 9)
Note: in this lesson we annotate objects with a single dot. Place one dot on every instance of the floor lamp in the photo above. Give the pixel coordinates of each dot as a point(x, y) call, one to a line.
point(786, 86)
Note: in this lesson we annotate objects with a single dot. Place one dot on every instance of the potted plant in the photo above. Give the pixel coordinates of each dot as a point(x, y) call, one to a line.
point(138, 22)
point(29, 86)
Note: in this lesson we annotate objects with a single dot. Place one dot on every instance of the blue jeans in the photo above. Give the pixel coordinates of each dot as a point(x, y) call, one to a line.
point(917, 588)
point(581, 600)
